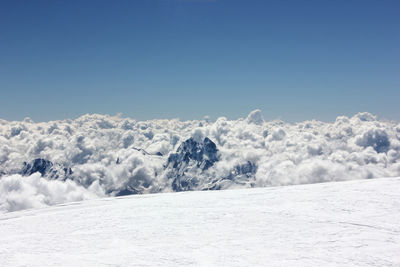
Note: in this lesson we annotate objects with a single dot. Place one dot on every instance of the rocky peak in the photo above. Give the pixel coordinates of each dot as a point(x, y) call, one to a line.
point(37, 165)
point(204, 154)
point(46, 168)
point(248, 169)
point(191, 158)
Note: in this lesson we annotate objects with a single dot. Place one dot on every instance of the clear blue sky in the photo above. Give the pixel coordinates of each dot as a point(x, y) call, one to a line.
point(294, 60)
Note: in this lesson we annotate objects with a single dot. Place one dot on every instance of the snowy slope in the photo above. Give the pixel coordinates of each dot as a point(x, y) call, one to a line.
point(355, 223)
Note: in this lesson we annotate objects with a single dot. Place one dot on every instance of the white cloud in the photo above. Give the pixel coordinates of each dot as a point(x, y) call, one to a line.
point(111, 153)
point(18, 192)
point(255, 117)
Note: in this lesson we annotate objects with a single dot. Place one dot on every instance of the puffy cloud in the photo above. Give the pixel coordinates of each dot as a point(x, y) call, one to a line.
point(365, 116)
point(255, 117)
point(108, 154)
point(376, 138)
point(277, 134)
point(18, 192)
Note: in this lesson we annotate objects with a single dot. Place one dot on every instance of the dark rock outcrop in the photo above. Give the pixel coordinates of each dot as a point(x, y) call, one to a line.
point(244, 170)
point(190, 158)
point(46, 168)
point(188, 168)
point(127, 191)
point(204, 154)
point(37, 165)
point(242, 174)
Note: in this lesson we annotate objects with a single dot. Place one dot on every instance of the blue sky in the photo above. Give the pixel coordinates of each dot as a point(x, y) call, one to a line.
point(294, 60)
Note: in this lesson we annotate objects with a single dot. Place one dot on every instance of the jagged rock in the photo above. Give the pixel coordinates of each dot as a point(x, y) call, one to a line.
point(144, 152)
point(127, 191)
point(68, 171)
point(241, 174)
point(205, 154)
point(190, 158)
point(38, 165)
point(140, 182)
point(248, 169)
point(188, 168)
point(46, 168)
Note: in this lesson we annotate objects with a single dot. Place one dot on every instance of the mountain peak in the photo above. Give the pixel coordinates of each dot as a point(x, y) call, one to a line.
point(193, 156)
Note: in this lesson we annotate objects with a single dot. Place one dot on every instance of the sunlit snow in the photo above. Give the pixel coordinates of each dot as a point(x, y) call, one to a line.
point(353, 223)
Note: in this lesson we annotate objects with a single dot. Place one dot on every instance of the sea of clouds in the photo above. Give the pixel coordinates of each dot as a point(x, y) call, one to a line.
point(107, 153)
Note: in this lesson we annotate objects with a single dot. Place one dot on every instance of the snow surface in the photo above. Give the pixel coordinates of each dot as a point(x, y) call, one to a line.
point(353, 223)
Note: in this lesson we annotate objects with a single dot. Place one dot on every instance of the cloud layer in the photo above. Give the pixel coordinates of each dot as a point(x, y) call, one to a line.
point(107, 154)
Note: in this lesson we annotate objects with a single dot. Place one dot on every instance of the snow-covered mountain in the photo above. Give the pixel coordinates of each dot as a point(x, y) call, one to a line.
point(46, 168)
point(353, 223)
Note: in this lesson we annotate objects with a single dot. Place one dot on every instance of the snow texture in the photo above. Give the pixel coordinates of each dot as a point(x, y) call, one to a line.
point(353, 223)
point(100, 155)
